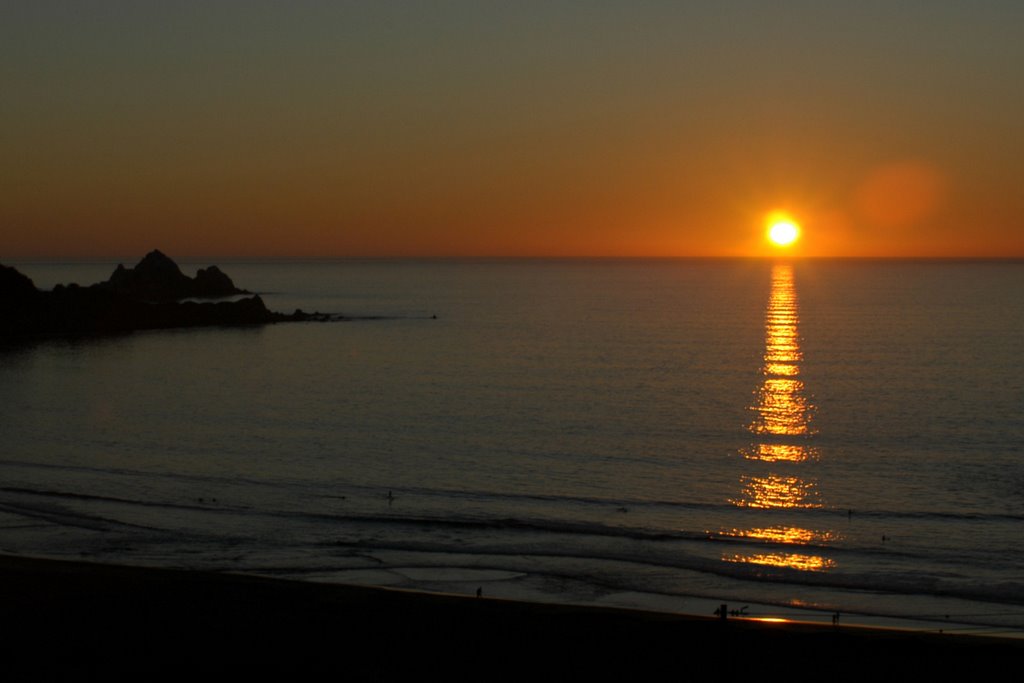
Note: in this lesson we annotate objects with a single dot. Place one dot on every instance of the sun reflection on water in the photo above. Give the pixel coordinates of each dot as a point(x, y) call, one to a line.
point(782, 408)
point(784, 534)
point(773, 452)
point(782, 422)
point(781, 369)
point(807, 563)
point(777, 491)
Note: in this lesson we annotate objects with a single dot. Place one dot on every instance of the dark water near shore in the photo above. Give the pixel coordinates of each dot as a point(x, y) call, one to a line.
point(837, 435)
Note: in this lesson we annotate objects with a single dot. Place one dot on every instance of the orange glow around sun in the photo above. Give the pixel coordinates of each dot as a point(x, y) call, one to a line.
point(782, 230)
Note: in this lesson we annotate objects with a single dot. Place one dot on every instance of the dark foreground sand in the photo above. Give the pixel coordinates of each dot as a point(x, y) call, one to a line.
point(84, 621)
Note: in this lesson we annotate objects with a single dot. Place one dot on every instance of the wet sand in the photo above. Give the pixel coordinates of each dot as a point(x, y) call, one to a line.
point(90, 621)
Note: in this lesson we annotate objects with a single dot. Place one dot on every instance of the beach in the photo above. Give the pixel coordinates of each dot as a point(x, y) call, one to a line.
point(94, 621)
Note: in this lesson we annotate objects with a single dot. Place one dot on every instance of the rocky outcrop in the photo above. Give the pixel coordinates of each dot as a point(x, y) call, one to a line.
point(212, 282)
point(141, 298)
point(15, 286)
point(157, 278)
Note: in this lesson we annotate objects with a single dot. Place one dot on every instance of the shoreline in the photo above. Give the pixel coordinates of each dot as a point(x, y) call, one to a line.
point(672, 604)
point(104, 621)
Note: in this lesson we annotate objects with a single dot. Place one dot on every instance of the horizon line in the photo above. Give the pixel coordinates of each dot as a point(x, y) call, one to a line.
point(510, 259)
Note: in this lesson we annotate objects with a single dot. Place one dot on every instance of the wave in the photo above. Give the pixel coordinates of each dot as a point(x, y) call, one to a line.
point(514, 539)
point(490, 496)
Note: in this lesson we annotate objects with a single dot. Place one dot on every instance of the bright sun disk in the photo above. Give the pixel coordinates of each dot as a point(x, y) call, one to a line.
point(783, 232)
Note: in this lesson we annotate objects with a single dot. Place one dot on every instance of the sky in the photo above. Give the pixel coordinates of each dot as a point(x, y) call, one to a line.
point(510, 129)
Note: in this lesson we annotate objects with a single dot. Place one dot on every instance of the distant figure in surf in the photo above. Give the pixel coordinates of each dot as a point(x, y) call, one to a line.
point(391, 497)
point(479, 591)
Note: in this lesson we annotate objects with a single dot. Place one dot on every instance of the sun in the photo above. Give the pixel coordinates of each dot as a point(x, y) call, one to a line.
point(782, 231)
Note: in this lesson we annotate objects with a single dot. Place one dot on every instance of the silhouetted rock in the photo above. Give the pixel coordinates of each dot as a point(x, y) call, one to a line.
point(19, 301)
point(212, 282)
point(140, 298)
point(157, 278)
point(14, 284)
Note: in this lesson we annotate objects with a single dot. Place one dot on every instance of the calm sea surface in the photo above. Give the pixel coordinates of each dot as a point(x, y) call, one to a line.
point(841, 436)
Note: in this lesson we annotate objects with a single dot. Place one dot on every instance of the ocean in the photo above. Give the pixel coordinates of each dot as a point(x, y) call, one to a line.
point(793, 439)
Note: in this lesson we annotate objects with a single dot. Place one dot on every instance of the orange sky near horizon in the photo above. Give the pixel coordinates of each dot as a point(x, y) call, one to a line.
point(480, 130)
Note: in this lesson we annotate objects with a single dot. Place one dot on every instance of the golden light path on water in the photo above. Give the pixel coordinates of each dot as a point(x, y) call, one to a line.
point(777, 491)
point(782, 422)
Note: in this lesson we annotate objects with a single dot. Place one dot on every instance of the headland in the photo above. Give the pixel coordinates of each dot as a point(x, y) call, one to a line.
point(154, 294)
